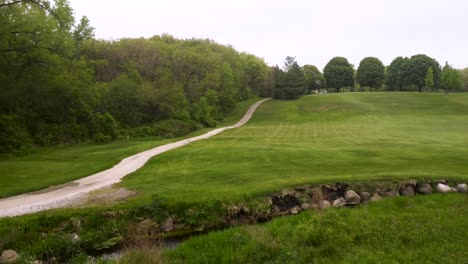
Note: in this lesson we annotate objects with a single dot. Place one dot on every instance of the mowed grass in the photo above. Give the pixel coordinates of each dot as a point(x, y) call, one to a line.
point(421, 229)
point(317, 139)
point(61, 164)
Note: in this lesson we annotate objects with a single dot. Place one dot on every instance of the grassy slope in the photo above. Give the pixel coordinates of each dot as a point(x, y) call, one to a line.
point(345, 137)
point(421, 229)
point(65, 163)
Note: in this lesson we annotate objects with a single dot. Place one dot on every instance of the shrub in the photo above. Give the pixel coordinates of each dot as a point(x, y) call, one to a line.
point(100, 138)
point(13, 135)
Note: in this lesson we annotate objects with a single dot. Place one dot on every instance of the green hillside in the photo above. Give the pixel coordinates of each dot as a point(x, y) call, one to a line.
point(318, 139)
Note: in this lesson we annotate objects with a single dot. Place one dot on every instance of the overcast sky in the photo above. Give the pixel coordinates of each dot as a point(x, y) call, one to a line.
point(313, 31)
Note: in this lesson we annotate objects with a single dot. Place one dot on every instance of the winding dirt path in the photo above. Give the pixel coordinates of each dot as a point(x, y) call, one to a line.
point(65, 194)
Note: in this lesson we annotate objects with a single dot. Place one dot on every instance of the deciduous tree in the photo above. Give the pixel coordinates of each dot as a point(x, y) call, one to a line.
point(371, 73)
point(338, 73)
point(450, 79)
point(415, 71)
point(314, 79)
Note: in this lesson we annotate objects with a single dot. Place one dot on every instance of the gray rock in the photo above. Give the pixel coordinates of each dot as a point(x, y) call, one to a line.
point(462, 187)
point(375, 198)
point(276, 209)
point(425, 188)
point(442, 181)
point(295, 210)
point(168, 225)
point(453, 189)
point(9, 256)
point(339, 202)
point(407, 190)
point(352, 198)
point(365, 197)
point(390, 194)
point(306, 206)
point(442, 188)
point(411, 182)
point(324, 204)
point(146, 225)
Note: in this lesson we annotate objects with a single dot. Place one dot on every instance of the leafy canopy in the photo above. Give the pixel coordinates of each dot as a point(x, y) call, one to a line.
point(371, 73)
point(338, 73)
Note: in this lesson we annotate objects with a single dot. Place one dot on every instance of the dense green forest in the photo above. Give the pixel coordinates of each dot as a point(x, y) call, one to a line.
point(59, 84)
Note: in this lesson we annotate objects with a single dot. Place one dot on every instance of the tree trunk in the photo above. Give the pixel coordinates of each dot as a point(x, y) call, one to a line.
point(420, 89)
point(446, 91)
point(370, 89)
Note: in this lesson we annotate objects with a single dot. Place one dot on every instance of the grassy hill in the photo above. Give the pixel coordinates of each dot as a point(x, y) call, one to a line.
point(61, 164)
point(317, 139)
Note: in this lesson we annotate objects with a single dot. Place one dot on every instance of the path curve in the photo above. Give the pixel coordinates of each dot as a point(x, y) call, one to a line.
point(65, 194)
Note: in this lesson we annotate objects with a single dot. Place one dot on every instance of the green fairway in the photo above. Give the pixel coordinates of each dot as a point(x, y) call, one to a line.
point(422, 229)
point(61, 164)
point(317, 139)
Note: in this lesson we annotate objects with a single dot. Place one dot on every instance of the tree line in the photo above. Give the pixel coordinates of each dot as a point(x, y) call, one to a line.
point(417, 73)
point(61, 85)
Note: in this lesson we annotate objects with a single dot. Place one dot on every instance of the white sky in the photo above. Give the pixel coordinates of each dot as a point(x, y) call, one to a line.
point(313, 31)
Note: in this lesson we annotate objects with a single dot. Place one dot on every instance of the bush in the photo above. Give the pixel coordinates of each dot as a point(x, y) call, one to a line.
point(169, 128)
point(13, 135)
point(174, 128)
point(106, 128)
point(100, 138)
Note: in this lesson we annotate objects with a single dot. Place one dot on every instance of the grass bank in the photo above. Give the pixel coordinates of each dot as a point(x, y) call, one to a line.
point(422, 229)
point(318, 139)
point(61, 164)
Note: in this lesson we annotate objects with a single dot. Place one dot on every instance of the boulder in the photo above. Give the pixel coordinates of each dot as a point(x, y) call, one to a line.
point(9, 256)
point(424, 188)
point(375, 197)
point(462, 187)
point(442, 188)
point(407, 190)
point(390, 193)
point(168, 225)
point(339, 202)
point(352, 198)
point(442, 181)
point(295, 210)
point(306, 206)
point(146, 226)
point(324, 204)
point(365, 197)
point(412, 182)
point(453, 189)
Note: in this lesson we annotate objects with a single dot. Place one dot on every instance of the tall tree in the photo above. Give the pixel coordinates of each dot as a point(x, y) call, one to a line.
point(429, 80)
point(415, 70)
point(314, 79)
point(394, 78)
point(371, 73)
point(338, 73)
point(464, 76)
point(290, 82)
point(450, 79)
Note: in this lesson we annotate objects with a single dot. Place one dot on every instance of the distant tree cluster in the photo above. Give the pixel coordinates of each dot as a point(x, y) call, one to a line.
point(58, 84)
point(418, 73)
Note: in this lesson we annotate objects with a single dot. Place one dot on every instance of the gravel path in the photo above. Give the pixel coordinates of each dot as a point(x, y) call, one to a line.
point(66, 194)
